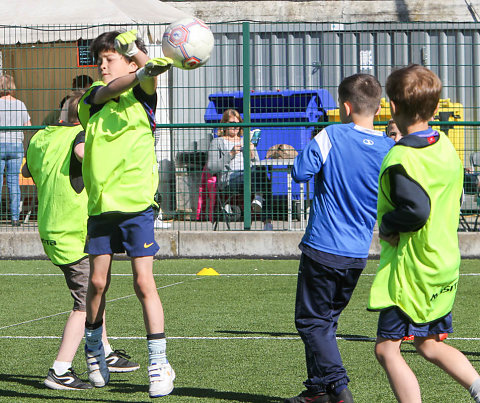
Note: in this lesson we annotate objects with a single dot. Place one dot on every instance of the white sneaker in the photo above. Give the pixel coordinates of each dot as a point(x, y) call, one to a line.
point(159, 223)
point(161, 379)
point(97, 368)
point(257, 204)
point(227, 208)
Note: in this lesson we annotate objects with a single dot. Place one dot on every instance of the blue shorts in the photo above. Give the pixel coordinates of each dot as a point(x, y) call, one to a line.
point(120, 232)
point(393, 324)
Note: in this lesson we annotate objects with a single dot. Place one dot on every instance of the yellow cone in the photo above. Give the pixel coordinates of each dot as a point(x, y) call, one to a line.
point(207, 271)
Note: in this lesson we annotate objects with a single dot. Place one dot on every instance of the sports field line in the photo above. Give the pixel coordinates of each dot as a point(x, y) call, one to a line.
point(180, 338)
point(65, 312)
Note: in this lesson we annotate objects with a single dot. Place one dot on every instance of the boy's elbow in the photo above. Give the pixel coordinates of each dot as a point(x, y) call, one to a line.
point(299, 177)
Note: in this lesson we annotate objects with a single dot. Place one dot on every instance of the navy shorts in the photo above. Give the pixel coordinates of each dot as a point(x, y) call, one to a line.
point(120, 232)
point(393, 324)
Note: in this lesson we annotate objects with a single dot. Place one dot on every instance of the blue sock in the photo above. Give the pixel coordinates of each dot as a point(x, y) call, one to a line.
point(157, 350)
point(93, 338)
point(339, 389)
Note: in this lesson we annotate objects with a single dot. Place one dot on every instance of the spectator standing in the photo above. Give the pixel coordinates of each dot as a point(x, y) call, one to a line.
point(13, 112)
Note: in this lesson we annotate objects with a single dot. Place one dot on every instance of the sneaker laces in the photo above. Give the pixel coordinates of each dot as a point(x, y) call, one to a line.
point(75, 374)
point(122, 353)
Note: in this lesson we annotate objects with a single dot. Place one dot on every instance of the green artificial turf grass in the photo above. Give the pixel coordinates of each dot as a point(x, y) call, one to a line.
point(232, 338)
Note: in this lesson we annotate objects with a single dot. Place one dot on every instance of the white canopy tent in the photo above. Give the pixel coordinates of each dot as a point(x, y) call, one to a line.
point(31, 21)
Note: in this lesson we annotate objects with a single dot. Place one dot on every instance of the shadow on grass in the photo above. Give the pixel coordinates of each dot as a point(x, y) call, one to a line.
point(247, 332)
point(348, 337)
point(44, 394)
point(469, 354)
point(225, 395)
point(119, 387)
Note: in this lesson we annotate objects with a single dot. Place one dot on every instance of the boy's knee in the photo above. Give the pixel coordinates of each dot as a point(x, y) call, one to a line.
point(380, 353)
point(98, 283)
point(386, 350)
point(427, 347)
point(143, 287)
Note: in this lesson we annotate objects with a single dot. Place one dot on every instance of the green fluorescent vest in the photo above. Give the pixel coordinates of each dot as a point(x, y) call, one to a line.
point(62, 213)
point(120, 169)
point(420, 275)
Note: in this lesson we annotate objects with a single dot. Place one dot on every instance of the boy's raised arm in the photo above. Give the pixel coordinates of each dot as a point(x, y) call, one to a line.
point(145, 75)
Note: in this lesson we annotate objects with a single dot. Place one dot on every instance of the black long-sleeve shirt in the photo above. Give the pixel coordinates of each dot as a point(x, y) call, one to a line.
point(412, 203)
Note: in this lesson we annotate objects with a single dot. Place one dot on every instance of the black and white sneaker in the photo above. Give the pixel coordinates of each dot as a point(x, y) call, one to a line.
point(68, 381)
point(118, 361)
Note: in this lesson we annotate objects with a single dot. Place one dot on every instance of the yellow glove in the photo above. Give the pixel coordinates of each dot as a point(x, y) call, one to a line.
point(125, 43)
point(154, 67)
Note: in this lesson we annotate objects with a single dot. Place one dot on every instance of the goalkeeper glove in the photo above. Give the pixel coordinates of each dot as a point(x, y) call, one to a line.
point(125, 43)
point(154, 67)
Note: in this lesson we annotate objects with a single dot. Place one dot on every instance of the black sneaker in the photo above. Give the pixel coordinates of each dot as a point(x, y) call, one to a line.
point(345, 396)
point(309, 397)
point(118, 361)
point(68, 381)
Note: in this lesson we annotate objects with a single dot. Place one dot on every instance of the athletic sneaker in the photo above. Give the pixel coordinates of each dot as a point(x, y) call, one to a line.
point(68, 381)
point(97, 369)
point(118, 361)
point(309, 397)
point(257, 204)
point(161, 379)
point(159, 223)
point(345, 396)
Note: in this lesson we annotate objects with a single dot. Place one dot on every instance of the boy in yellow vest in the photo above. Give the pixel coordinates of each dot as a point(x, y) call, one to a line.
point(53, 161)
point(121, 177)
point(420, 187)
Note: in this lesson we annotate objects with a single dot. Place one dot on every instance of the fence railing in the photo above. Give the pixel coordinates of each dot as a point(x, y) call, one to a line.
point(281, 77)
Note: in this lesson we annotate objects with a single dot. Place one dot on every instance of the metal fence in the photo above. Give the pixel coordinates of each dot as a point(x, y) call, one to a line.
point(282, 77)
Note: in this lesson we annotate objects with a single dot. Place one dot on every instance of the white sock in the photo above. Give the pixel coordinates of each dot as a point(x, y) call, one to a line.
point(107, 348)
point(474, 390)
point(157, 351)
point(60, 367)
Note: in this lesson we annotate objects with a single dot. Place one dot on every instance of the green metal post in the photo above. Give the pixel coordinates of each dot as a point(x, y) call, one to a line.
point(247, 181)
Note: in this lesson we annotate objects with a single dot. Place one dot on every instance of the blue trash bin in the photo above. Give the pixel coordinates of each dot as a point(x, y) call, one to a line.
point(277, 106)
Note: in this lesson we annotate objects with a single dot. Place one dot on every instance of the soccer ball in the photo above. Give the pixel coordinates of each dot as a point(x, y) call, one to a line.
point(188, 42)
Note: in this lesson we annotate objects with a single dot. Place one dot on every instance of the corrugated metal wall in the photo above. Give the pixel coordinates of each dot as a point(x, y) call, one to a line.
point(318, 55)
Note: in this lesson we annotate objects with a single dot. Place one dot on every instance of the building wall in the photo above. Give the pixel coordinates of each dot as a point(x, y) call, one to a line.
point(333, 10)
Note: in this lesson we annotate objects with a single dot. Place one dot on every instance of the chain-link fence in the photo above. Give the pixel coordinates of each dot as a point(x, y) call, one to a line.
point(281, 78)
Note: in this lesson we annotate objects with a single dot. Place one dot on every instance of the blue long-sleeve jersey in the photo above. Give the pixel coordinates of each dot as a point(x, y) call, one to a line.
point(346, 161)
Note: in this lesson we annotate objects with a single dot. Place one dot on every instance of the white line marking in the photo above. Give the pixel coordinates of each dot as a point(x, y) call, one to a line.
point(63, 313)
point(225, 338)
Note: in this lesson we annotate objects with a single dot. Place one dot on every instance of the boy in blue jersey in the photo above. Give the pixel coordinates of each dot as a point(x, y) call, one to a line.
point(345, 160)
point(121, 176)
point(420, 188)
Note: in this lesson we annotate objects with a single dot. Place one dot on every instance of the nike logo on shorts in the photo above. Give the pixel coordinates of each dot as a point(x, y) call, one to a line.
point(147, 245)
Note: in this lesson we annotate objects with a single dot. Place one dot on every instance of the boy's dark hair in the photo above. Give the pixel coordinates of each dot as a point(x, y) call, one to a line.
point(363, 91)
point(73, 99)
point(415, 91)
point(106, 42)
point(82, 81)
